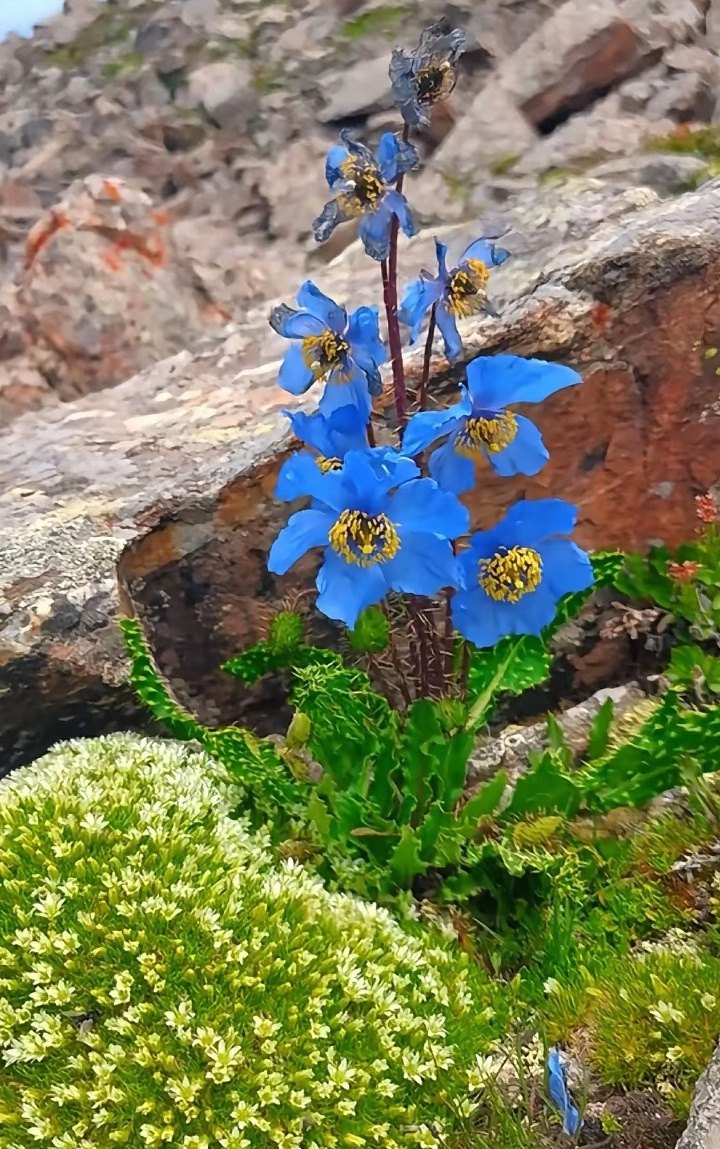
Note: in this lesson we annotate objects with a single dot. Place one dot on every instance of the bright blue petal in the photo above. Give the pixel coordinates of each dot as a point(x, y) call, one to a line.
point(331, 436)
point(479, 618)
point(369, 475)
point(441, 253)
point(304, 530)
point(400, 207)
point(566, 567)
point(535, 519)
point(294, 375)
point(451, 335)
point(346, 589)
point(294, 476)
point(498, 381)
point(424, 565)
point(387, 156)
point(345, 387)
point(325, 309)
point(335, 157)
point(486, 252)
point(427, 426)
point(419, 297)
point(534, 611)
point(452, 472)
point(557, 1088)
point(420, 505)
point(363, 335)
point(526, 455)
point(375, 232)
point(299, 324)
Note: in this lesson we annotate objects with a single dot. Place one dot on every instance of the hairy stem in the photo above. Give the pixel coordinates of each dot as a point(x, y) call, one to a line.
point(396, 355)
point(426, 361)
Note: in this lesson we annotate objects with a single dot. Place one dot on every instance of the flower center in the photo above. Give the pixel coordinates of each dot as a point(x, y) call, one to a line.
point(478, 434)
point(466, 289)
point(365, 187)
point(323, 352)
point(435, 81)
point(364, 539)
point(324, 464)
point(510, 574)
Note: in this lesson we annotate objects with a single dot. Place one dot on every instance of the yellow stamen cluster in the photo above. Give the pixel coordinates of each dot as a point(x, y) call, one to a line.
point(478, 435)
point(366, 187)
point(163, 982)
point(364, 540)
point(510, 574)
point(466, 293)
point(435, 81)
point(325, 465)
point(323, 352)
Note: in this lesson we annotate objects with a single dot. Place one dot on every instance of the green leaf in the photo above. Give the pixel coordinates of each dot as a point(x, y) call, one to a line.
point(513, 665)
point(152, 689)
point(691, 666)
point(556, 734)
point(484, 803)
point(600, 730)
point(371, 632)
point(405, 862)
point(645, 577)
point(544, 790)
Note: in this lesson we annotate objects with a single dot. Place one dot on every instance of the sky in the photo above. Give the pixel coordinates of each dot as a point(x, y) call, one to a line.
point(21, 15)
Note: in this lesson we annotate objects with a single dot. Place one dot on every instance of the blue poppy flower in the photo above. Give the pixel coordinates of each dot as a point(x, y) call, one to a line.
point(330, 437)
point(427, 75)
point(454, 294)
point(514, 575)
point(344, 352)
point(481, 425)
point(364, 187)
point(382, 529)
point(557, 1087)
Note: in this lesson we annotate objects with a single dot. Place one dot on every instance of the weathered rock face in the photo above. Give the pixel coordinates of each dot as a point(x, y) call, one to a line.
point(703, 1128)
point(163, 485)
point(222, 113)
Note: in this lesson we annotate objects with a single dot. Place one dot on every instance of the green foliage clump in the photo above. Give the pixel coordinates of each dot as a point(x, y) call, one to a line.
point(383, 20)
point(162, 983)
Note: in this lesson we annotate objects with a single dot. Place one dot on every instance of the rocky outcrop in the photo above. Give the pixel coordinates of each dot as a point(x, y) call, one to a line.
point(156, 496)
point(703, 1128)
point(221, 114)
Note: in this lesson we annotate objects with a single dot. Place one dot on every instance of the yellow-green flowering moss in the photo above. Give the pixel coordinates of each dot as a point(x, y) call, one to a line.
point(162, 982)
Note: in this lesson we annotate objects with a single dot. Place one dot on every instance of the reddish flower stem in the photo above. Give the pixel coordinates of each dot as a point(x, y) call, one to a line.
point(396, 355)
point(426, 361)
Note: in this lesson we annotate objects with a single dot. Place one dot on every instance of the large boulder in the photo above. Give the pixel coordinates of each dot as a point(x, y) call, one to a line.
point(156, 497)
point(703, 1127)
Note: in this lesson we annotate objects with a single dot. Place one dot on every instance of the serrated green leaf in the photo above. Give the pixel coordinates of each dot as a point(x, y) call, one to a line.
point(484, 803)
point(513, 665)
point(405, 862)
point(600, 730)
point(544, 790)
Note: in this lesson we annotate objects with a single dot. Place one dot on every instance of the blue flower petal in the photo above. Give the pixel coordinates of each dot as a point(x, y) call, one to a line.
point(346, 386)
point(333, 436)
point(325, 309)
point(419, 297)
point(331, 216)
point(335, 157)
point(559, 1095)
point(295, 376)
point(346, 589)
point(300, 324)
point(400, 207)
point(369, 475)
point(478, 618)
point(535, 519)
point(295, 475)
point(363, 335)
point(498, 381)
point(451, 471)
point(566, 567)
point(427, 426)
point(451, 335)
point(304, 530)
point(420, 505)
point(386, 155)
point(424, 565)
point(526, 455)
point(486, 252)
point(441, 253)
point(374, 232)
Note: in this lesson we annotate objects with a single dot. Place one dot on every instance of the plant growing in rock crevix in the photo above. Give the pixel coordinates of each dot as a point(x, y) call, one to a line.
point(438, 620)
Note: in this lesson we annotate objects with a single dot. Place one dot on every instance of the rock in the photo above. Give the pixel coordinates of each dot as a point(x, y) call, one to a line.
point(576, 55)
point(601, 133)
point(356, 91)
point(102, 288)
point(155, 497)
point(224, 89)
point(492, 130)
point(662, 23)
point(668, 174)
point(703, 1127)
point(712, 26)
